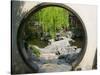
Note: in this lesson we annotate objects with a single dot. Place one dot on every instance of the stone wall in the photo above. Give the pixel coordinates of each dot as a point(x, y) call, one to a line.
point(19, 9)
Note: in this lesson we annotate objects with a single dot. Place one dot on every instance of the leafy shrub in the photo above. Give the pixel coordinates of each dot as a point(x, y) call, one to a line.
point(35, 51)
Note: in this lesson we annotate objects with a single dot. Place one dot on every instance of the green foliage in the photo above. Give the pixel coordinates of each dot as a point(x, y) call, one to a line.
point(35, 51)
point(52, 19)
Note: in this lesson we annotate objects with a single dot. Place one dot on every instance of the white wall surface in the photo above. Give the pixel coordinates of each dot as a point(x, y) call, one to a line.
point(88, 14)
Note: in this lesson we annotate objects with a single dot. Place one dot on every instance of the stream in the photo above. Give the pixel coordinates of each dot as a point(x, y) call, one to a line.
point(57, 56)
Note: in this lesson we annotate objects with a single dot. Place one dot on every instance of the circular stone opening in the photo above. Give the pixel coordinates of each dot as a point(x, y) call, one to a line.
point(52, 38)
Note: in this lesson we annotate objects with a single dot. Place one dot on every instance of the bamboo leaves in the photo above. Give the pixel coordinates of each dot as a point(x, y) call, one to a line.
point(52, 19)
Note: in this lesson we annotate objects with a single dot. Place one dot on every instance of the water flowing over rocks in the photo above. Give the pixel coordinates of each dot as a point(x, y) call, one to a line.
point(57, 56)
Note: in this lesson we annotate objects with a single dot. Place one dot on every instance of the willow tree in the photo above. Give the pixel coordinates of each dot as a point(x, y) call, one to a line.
point(52, 19)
